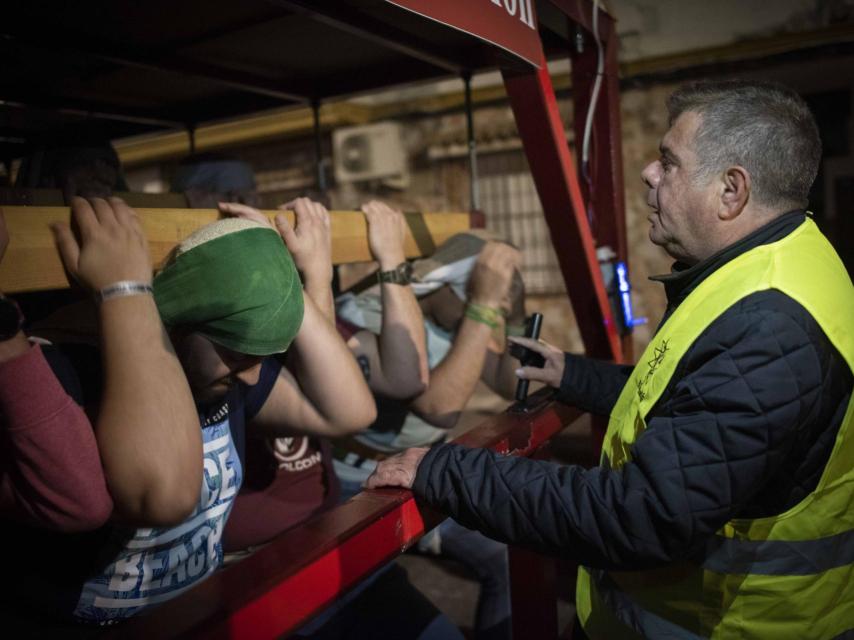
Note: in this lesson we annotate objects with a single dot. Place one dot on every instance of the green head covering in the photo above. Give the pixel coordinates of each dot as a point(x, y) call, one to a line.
point(235, 283)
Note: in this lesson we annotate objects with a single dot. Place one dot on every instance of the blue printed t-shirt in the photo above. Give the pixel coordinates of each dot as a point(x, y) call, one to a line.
point(126, 570)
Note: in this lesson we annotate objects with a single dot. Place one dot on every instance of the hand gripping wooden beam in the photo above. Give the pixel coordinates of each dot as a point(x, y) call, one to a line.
point(32, 262)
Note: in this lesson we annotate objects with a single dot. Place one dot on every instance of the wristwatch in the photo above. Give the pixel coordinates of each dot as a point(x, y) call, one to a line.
point(11, 318)
point(401, 274)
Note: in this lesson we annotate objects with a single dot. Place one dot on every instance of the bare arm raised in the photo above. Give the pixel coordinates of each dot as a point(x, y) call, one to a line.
point(147, 427)
point(453, 381)
point(398, 355)
point(322, 391)
point(50, 470)
point(310, 244)
point(499, 371)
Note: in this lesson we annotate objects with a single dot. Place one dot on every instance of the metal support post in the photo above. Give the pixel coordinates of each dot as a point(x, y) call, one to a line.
point(318, 147)
point(537, 117)
point(472, 143)
point(533, 594)
point(533, 587)
point(191, 136)
point(604, 192)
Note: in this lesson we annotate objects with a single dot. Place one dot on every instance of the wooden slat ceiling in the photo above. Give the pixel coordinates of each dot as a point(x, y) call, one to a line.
point(125, 67)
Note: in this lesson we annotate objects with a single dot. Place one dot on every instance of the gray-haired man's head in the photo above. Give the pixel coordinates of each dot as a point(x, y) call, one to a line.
point(764, 127)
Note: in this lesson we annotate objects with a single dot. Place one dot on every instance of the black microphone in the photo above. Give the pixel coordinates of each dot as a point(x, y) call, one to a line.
point(527, 357)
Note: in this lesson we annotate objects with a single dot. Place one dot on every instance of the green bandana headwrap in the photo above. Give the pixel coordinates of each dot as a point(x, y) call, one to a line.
point(235, 283)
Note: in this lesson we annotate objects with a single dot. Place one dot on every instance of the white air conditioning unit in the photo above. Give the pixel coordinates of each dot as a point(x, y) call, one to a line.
point(370, 152)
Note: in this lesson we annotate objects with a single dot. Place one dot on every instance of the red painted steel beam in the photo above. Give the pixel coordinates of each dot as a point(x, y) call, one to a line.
point(535, 108)
point(284, 584)
point(606, 198)
point(533, 594)
point(606, 159)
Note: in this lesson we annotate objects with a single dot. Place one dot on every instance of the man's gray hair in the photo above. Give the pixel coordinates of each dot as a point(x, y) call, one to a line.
point(764, 127)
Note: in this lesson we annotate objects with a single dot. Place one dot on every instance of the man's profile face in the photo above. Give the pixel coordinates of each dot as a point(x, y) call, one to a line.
point(682, 205)
point(212, 369)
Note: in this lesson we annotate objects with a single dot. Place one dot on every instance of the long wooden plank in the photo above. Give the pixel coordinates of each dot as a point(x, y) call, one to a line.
point(32, 262)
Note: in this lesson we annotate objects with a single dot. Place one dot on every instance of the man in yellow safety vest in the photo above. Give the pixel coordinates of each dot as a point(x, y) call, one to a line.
point(723, 506)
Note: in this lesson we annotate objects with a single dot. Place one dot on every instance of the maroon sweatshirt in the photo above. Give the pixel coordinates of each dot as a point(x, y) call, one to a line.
point(50, 470)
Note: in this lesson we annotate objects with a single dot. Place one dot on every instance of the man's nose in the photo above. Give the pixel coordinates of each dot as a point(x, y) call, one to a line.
point(651, 174)
point(250, 375)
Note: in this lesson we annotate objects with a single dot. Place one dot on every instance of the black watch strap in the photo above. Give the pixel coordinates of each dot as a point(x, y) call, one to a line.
point(401, 274)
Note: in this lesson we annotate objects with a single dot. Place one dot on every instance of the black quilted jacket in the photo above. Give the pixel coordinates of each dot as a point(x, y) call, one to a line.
point(743, 430)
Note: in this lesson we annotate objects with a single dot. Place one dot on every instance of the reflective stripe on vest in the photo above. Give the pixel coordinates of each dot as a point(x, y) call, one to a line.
point(784, 576)
point(645, 623)
point(779, 557)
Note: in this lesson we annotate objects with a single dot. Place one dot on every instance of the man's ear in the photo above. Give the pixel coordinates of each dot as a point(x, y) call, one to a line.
point(736, 193)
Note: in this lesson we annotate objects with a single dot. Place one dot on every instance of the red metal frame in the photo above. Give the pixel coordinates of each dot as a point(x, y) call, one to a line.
point(534, 104)
point(562, 195)
point(533, 586)
point(533, 594)
point(606, 200)
point(283, 585)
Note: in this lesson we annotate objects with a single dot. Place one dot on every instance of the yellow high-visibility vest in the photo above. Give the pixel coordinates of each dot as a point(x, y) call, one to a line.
point(784, 576)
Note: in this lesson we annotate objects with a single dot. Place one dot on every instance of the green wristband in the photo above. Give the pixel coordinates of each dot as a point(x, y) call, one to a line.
point(483, 314)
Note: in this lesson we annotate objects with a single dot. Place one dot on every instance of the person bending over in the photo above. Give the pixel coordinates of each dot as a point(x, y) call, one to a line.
point(171, 423)
point(289, 479)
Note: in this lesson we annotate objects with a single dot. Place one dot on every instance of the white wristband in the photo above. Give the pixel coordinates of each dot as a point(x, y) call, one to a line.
point(124, 288)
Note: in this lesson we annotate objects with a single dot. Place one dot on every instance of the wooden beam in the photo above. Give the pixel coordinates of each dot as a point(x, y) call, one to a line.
point(41, 197)
point(33, 98)
point(263, 127)
point(32, 262)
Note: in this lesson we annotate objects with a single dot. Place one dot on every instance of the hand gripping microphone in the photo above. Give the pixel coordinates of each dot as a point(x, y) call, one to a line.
point(527, 357)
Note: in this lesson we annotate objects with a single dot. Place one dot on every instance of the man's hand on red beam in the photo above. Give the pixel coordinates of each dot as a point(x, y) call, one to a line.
point(398, 470)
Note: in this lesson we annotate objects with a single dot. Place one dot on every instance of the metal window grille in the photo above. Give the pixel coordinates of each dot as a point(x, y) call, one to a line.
point(512, 208)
